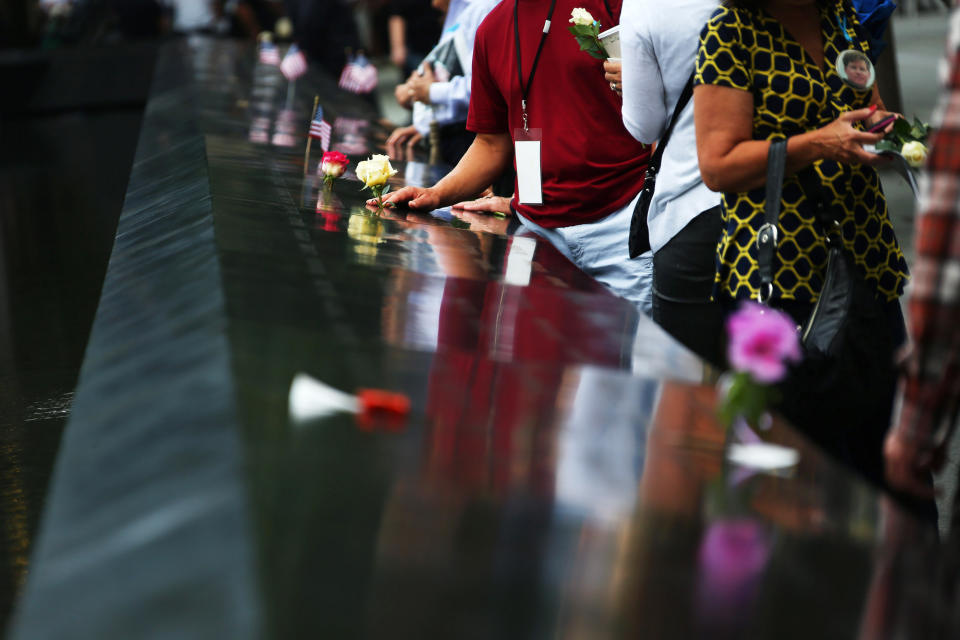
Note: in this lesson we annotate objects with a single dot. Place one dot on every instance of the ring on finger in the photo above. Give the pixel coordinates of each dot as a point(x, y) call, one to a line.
point(613, 86)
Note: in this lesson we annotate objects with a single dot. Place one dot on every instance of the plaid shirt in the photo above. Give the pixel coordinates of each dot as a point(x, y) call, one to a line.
point(931, 387)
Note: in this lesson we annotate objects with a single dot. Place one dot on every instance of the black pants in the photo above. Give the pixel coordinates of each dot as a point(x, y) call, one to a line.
point(683, 275)
point(454, 142)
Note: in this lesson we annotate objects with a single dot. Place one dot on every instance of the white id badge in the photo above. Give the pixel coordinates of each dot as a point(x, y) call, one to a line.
point(527, 155)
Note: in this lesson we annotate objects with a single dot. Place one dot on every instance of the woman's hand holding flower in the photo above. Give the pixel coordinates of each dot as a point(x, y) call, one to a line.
point(878, 116)
point(843, 142)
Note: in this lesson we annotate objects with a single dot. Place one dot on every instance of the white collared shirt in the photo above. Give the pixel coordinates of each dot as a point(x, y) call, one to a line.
point(659, 51)
point(450, 100)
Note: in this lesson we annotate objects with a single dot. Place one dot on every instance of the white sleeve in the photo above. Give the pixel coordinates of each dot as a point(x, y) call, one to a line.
point(644, 96)
point(454, 93)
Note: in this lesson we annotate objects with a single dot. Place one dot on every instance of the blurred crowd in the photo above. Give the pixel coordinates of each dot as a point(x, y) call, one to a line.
point(404, 30)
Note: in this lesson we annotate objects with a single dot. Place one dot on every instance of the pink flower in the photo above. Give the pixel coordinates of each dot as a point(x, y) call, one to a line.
point(761, 342)
point(732, 557)
point(333, 164)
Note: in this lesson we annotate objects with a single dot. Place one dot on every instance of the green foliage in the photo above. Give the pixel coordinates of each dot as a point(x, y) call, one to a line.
point(584, 30)
point(587, 36)
point(888, 145)
point(903, 132)
point(745, 398)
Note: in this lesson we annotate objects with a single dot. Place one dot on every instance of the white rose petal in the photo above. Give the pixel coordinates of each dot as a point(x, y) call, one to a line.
point(915, 153)
point(334, 169)
point(375, 171)
point(581, 16)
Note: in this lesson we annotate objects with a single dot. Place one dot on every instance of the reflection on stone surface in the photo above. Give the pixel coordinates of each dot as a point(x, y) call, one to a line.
point(562, 472)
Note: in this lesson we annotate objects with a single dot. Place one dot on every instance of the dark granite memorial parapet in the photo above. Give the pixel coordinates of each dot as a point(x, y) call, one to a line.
point(146, 513)
point(561, 472)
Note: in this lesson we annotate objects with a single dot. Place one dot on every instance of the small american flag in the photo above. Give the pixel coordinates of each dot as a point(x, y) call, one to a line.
point(269, 53)
point(320, 129)
point(294, 63)
point(359, 75)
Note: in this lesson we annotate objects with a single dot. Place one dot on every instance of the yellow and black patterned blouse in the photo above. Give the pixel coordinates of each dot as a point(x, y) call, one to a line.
point(749, 50)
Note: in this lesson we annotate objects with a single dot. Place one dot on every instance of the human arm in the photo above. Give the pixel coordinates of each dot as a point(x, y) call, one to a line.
point(488, 155)
point(404, 95)
point(930, 389)
point(486, 204)
point(396, 30)
point(486, 159)
point(454, 93)
point(732, 161)
point(908, 464)
point(418, 88)
point(419, 83)
point(644, 94)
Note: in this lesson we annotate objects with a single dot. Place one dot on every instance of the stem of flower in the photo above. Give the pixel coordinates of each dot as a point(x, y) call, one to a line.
point(378, 194)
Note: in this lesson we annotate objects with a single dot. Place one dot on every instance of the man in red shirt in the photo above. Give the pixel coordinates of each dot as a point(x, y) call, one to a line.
point(591, 168)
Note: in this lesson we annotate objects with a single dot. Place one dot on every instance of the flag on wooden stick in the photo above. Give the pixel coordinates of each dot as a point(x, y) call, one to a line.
point(320, 129)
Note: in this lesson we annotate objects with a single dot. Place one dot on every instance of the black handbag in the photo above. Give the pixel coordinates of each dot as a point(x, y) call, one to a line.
point(848, 340)
point(639, 232)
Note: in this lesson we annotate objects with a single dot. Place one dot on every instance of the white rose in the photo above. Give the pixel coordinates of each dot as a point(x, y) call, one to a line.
point(375, 171)
point(333, 164)
point(581, 17)
point(284, 28)
point(915, 153)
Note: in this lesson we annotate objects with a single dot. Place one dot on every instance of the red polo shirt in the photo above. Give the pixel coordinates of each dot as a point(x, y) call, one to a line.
point(591, 166)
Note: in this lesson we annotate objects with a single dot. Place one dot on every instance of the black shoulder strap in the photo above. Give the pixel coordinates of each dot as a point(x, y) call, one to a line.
point(682, 101)
point(767, 235)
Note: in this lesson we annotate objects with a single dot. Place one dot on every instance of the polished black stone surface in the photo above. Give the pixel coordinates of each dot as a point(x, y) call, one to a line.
point(65, 157)
point(561, 473)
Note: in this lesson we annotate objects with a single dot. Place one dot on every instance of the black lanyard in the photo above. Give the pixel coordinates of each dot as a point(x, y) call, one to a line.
point(543, 38)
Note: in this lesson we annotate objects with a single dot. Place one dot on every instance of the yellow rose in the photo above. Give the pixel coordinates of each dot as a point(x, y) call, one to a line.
point(915, 153)
point(581, 16)
point(365, 228)
point(375, 171)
